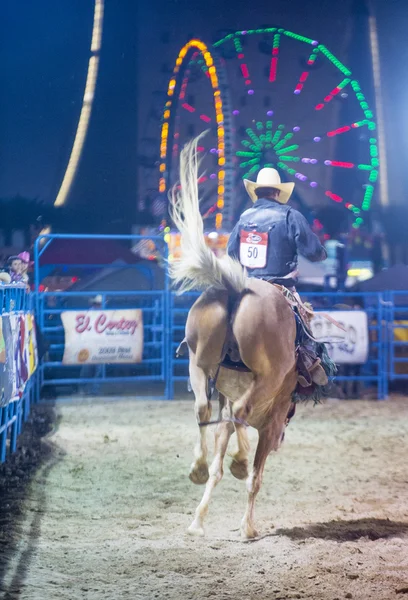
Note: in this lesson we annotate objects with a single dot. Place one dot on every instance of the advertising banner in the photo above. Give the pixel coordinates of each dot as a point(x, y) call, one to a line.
point(345, 347)
point(103, 336)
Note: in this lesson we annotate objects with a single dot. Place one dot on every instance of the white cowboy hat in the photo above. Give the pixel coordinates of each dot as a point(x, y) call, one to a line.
point(269, 178)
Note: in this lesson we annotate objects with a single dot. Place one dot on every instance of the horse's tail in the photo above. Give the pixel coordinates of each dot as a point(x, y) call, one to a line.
point(198, 267)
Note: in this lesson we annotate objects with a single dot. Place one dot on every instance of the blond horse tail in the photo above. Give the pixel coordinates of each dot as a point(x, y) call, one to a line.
point(198, 267)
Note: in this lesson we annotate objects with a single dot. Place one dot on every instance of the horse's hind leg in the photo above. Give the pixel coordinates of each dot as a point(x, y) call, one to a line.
point(239, 463)
point(269, 439)
point(199, 468)
point(241, 409)
point(222, 436)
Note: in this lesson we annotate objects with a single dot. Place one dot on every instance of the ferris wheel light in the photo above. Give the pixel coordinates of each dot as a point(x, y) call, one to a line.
point(334, 197)
point(263, 136)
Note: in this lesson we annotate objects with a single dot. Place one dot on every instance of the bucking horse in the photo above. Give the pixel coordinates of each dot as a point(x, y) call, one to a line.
point(234, 314)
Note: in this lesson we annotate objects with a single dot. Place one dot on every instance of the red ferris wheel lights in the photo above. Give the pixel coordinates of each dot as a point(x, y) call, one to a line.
point(274, 66)
point(334, 197)
point(334, 92)
point(188, 107)
point(339, 130)
point(338, 163)
point(302, 80)
point(205, 118)
point(274, 59)
point(244, 70)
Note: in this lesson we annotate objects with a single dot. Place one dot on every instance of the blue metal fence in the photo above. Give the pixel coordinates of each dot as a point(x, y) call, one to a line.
point(164, 316)
point(374, 371)
point(15, 300)
point(372, 303)
point(396, 310)
point(152, 375)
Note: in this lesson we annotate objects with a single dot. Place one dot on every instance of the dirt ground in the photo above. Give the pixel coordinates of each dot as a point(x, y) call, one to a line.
point(104, 516)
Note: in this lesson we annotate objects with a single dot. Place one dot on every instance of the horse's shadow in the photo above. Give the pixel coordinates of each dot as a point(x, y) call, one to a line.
point(343, 531)
point(347, 531)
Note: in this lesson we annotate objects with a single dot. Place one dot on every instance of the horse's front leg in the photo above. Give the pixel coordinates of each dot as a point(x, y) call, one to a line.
point(198, 379)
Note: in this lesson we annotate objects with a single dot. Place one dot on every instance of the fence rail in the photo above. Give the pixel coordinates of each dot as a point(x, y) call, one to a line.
point(165, 316)
point(14, 405)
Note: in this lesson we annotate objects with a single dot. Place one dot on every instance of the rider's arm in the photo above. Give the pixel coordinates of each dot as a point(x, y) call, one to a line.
point(307, 243)
point(233, 242)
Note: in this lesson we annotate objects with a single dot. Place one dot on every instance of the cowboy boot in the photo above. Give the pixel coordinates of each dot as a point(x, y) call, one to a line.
point(318, 374)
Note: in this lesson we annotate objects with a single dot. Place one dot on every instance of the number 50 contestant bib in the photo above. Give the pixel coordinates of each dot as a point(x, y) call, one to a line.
point(253, 249)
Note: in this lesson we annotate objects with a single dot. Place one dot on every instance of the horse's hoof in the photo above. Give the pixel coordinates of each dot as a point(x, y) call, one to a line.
point(239, 469)
point(248, 533)
point(196, 530)
point(199, 473)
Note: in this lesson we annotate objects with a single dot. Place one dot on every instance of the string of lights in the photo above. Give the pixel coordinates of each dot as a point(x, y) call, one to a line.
point(86, 109)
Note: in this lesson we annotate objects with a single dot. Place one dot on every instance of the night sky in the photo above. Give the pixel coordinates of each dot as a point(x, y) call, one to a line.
point(44, 58)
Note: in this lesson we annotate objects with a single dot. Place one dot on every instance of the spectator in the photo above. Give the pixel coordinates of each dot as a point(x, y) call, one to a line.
point(25, 263)
point(15, 269)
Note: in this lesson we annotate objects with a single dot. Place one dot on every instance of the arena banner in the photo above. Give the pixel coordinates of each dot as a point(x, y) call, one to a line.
point(345, 347)
point(31, 352)
point(9, 384)
point(103, 336)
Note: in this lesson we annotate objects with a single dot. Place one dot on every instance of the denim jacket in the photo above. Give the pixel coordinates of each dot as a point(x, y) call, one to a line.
point(288, 234)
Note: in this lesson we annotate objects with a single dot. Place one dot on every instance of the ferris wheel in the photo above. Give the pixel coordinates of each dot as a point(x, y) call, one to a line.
point(270, 97)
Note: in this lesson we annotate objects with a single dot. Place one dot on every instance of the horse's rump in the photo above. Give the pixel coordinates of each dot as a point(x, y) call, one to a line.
point(255, 329)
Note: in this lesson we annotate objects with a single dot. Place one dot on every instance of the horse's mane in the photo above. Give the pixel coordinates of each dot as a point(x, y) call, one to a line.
point(198, 268)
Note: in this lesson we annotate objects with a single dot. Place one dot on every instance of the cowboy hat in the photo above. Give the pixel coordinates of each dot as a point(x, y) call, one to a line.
point(269, 178)
point(25, 257)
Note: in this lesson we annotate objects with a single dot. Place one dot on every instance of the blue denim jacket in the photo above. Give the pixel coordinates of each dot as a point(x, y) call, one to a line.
point(289, 234)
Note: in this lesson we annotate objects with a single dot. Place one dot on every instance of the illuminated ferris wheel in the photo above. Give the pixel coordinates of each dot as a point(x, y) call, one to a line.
point(270, 97)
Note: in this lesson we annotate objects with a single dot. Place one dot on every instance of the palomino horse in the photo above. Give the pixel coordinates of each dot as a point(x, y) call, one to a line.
point(260, 321)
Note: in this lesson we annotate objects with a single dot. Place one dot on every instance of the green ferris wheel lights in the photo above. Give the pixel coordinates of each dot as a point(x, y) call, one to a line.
point(286, 149)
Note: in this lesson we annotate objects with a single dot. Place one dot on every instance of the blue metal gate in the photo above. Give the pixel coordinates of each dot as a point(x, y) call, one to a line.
point(396, 308)
point(152, 374)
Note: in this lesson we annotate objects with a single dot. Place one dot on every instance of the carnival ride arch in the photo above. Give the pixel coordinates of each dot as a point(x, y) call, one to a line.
point(175, 92)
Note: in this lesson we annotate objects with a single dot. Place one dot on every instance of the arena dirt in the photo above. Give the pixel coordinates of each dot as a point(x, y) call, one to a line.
point(105, 514)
